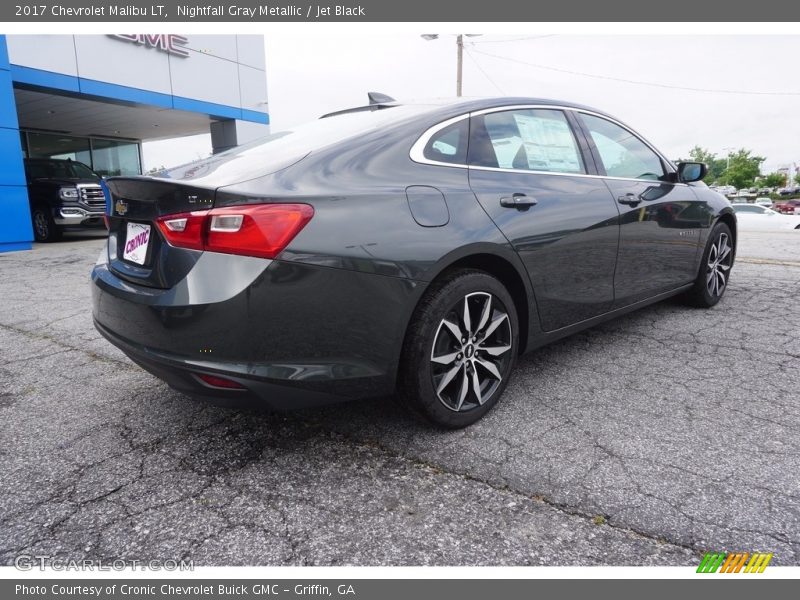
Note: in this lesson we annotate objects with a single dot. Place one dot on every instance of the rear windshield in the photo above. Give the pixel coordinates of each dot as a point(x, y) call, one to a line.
point(59, 169)
point(284, 148)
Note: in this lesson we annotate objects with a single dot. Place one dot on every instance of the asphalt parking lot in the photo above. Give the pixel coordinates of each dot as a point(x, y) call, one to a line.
point(647, 440)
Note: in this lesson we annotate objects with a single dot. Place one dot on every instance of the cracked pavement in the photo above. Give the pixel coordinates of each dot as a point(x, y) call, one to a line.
point(644, 441)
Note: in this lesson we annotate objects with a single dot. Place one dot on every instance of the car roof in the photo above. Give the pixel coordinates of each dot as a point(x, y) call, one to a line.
point(454, 106)
point(470, 104)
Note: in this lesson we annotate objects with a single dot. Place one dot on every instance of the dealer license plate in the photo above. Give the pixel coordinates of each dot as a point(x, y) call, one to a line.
point(136, 243)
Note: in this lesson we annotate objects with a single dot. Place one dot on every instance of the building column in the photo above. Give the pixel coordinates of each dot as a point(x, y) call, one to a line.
point(230, 133)
point(16, 232)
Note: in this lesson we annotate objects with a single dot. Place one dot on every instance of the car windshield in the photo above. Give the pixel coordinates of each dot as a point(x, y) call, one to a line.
point(54, 169)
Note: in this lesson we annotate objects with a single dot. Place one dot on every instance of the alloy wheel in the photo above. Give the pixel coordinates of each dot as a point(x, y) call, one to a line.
point(41, 224)
point(719, 264)
point(471, 351)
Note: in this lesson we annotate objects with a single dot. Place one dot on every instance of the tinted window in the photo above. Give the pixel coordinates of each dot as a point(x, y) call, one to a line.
point(622, 153)
point(112, 157)
point(36, 170)
point(61, 146)
point(748, 208)
point(529, 139)
point(50, 169)
point(450, 144)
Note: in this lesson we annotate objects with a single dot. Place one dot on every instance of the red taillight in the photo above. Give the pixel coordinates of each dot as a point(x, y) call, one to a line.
point(258, 230)
point(219, 382)
point(184, 230)
point(262, 230)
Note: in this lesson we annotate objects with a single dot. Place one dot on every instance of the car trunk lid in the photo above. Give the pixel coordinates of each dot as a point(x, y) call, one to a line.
point(137, 250)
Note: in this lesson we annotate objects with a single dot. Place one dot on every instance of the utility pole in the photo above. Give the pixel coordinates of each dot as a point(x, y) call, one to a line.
point(728, 162)
point(460, 63)
point(459, 54)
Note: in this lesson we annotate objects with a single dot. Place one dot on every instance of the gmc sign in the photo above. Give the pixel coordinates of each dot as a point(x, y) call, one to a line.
point(164, 42)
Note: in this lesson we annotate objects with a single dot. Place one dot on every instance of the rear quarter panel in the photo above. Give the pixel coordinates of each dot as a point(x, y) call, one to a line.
point(363, 224)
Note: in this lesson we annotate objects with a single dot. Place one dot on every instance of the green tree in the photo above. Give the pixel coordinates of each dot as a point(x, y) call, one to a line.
point(774, 180)
point(742, 169)
point(797, 179)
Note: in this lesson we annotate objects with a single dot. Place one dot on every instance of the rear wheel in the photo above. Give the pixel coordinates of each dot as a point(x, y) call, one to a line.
point(44, 227)
point(715, 269)
point(460, 349)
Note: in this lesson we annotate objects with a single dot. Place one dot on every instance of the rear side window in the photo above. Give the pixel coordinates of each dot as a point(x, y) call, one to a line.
point(525, 139)
point(449, 145)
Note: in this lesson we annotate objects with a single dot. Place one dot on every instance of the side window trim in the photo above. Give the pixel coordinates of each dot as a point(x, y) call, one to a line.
point(598, 162)
point(417, 152)
point(593, 167)
point(579, 131)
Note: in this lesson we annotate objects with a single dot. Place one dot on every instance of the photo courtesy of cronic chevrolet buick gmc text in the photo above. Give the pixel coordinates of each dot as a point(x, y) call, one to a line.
point(64, 194)
point(406, 249)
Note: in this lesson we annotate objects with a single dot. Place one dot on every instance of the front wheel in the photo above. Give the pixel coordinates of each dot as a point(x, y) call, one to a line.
point(460, 349)
point(715, 269)
point(44, 226)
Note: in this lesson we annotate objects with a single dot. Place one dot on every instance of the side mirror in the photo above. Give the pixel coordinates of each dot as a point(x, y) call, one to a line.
point(692, 171)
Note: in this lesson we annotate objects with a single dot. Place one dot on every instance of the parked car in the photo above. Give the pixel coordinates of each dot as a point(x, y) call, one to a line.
point(752, 217)
point(409, 248)
point(763, 201)
point(788, 207)
point(64, 195)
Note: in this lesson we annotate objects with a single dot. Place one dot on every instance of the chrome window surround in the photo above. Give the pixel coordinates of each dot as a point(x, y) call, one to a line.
point(417, 150)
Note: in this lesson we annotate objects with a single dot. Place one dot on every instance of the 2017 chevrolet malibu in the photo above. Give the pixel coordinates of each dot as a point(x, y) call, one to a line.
point(408, 249)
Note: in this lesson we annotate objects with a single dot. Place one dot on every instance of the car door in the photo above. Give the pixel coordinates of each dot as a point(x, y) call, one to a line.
point(532, 176)
point(660, 218)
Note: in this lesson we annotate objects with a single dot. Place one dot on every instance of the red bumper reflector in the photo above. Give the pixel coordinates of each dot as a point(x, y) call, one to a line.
point(219, 382)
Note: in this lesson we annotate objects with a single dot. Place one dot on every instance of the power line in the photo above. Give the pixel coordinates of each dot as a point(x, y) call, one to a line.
point(521, 39)
point(635, 82)
point(485, 74)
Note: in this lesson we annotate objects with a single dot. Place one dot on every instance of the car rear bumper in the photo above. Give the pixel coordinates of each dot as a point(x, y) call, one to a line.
point(293, 335)
point(181, 373)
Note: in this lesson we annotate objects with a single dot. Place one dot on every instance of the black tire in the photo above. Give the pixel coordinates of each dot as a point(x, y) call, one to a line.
point(491, 350)
point(44, 227)
point(714, 274)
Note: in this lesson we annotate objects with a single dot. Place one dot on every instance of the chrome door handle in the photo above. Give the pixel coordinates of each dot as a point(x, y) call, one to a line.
point(518, 201)
point(629, 199)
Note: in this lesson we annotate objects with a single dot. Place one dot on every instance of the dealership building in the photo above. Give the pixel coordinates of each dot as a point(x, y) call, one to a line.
point(96, 98)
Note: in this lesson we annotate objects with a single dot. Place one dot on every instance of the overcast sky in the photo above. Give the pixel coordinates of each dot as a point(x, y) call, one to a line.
point(753, 102)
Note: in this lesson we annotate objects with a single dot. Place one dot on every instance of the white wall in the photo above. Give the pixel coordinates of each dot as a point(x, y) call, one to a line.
point(223, 69)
